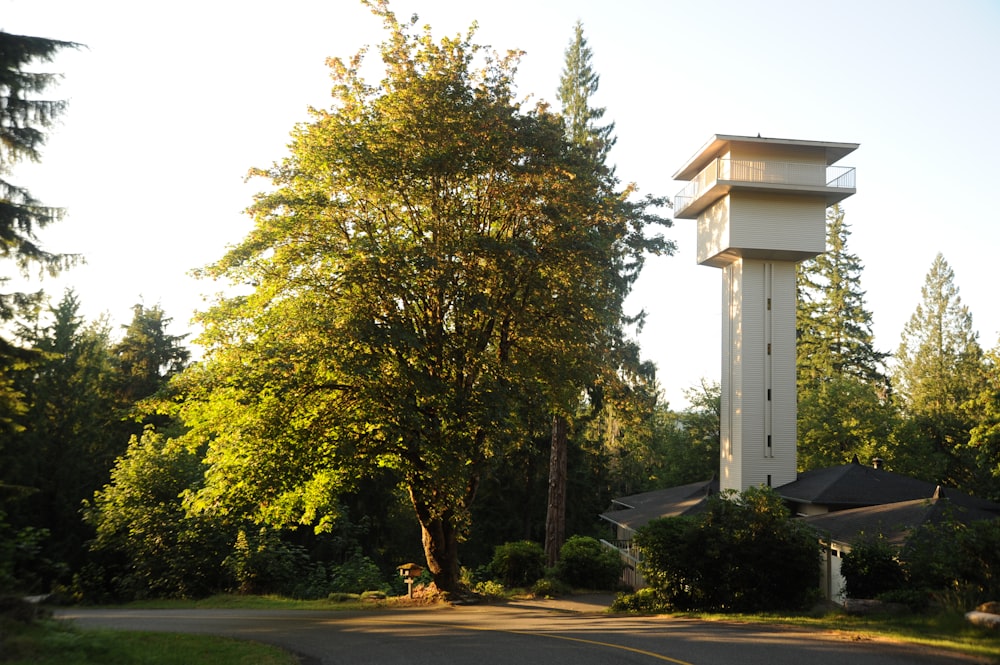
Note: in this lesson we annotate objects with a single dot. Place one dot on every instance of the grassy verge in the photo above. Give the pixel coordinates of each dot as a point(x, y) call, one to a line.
point(56, 643)
point(944, 630)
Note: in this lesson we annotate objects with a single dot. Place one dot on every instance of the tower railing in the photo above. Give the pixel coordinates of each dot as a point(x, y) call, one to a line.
point(756, 171)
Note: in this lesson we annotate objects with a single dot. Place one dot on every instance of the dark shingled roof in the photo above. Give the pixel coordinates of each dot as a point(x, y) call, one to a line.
point(853, 486)
point(639, 509)
point(894, 521)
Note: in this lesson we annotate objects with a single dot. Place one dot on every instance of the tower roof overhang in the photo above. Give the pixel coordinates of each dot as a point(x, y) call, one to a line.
point(719, 144)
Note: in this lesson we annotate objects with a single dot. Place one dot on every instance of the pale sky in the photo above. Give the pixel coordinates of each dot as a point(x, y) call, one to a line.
point(173, 102)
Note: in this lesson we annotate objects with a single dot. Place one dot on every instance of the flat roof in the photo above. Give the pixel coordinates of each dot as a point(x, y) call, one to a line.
point(719, 143)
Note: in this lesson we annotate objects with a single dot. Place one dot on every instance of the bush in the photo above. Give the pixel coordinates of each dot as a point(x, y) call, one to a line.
point(725, 558)
point(643, 601)
point(948, 556)
point(871, 569)
point(489, 589)
point(356, 575)
point(548, 587)
point(585, 563)
point(518, 564)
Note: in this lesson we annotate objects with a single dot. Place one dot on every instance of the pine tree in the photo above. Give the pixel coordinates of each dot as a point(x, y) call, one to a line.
point(23, 121)
point(834, 325)
point(939, 368)
point(842, 385)
point(577, 86)
point(592, 143)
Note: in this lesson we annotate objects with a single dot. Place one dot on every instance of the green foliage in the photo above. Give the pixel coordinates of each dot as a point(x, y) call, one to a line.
point(518, 564)
point(585, 563)
point(356, 575)
point(489, 589)
point(424, 258)
point(872, 568)
point(688, 440)
point(146, 544)
point(833, 323)
point(984, 438)
point(947, 556)
point(24, 119)
point(263, 563)
point(724, 559)
point(939, 368)
point(643, 601)
point(841, 418)
point(69, 439)
point(843, 406)
point(550, 587)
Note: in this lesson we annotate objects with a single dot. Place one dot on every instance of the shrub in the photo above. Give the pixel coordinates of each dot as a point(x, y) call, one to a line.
point(725, 558)
point(489, 589)
point(946, 556)
point(549, 587)
point(643, 601)
point(585, 563)
point(357, 574)
point(871, 569)
point(518, 564)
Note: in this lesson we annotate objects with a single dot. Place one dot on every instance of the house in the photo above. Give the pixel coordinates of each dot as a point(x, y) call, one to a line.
point(840, 530)
point(629, 513)
point(842, 503)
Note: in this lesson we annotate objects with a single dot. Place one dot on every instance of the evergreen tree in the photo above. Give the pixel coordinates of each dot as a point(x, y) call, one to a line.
point(67, 446)
point(624, 377)
point(843, 406)
point(938, 369)
point(834, 326)
point(24, 119)
point(577, 86)
point(147, 356)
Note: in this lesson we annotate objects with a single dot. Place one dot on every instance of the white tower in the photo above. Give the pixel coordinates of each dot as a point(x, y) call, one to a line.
point(761, 208)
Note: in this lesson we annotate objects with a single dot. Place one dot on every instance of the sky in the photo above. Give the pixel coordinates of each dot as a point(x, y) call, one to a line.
point(172, 103)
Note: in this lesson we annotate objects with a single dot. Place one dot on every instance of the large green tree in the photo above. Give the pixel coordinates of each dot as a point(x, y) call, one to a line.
point(429, 257)
point(835, 335)
point(843, 392)
point(25, 118)
point(939, 368)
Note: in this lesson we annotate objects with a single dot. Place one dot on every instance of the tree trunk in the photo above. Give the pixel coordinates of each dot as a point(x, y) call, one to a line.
point(555, 516)
point(440, 540)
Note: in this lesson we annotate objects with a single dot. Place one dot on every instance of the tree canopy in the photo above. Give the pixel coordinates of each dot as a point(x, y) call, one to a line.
point(939, 368)
point(431, 257)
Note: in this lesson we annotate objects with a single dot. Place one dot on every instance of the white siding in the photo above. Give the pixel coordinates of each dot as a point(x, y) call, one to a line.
point(758, 352)
point(772, 223)
point(713, 230)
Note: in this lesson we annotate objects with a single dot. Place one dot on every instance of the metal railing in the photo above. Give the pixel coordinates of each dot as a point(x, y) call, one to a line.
point(764, 172)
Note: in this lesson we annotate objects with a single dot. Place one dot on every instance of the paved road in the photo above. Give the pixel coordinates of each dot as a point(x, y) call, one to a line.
point(530, 632)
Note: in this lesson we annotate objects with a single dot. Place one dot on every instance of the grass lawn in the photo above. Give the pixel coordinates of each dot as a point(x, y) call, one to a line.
point(942, 630)
point(56, 643)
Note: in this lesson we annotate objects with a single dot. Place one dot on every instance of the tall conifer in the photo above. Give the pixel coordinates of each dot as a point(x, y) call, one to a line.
point(843, 409)
point(938, 369)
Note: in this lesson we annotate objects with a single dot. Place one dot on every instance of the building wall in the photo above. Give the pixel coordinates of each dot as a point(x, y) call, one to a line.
point(758, 374)
point(772, 224)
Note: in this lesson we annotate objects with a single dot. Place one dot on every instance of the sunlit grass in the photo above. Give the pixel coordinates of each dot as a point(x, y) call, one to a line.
point(941, 630)
point(342, 602)
point(55, 643)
